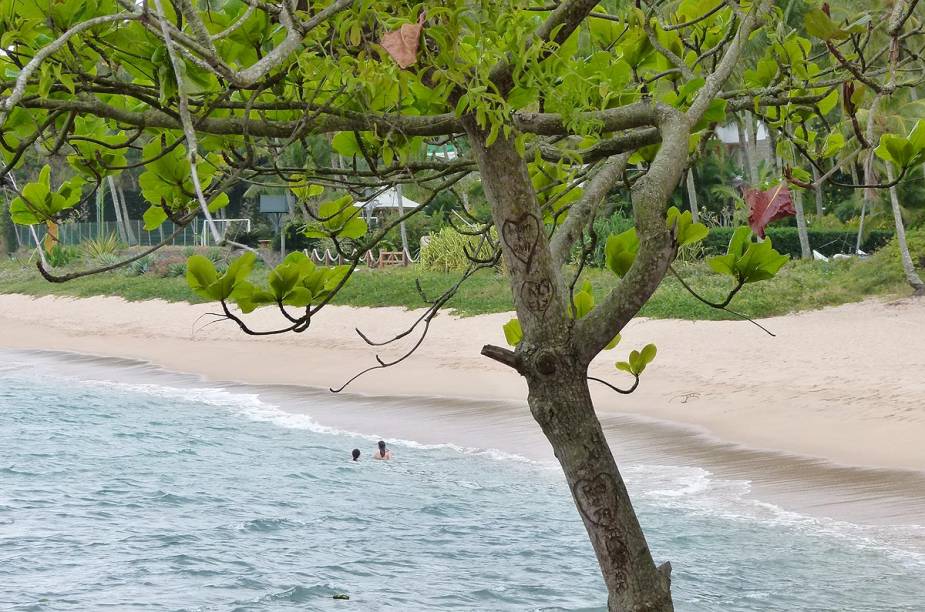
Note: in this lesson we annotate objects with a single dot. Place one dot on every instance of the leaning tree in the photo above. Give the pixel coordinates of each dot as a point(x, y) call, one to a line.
point(552, 105)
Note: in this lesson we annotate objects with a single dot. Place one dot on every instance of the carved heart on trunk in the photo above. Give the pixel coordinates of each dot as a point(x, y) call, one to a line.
point(521, 237)
point(536, 295)
point(596, 498)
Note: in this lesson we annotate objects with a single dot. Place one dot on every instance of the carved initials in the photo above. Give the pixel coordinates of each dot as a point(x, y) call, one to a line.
point(536, 295)
point(597, 498)
point(521, 236)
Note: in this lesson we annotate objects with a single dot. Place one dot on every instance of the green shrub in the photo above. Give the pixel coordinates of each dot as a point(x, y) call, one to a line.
point(168, 265)
point(139, 266)
point(98, 249)
point(176, 269)
point(61, 255)
point(445, 251)
point(787, 241)
point(296, 240)
point(888, 256)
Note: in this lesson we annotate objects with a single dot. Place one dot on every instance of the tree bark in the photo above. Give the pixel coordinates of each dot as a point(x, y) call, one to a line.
point(117, 210)
point(751, 132)
point(556, 372)
point(806, 251)
point(744, 157)
point(820, 208)
point(868, 195)
point(561, 404)
point(129, 232)
point(912, 277)
point(692, 195)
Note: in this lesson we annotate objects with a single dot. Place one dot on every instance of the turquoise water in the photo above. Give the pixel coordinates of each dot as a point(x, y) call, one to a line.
point(150, 497)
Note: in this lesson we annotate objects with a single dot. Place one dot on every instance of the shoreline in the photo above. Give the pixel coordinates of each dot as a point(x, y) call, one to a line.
point(835, 385)
point(873, 497)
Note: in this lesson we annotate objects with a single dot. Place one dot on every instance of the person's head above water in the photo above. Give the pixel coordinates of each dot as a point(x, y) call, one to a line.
point(382, 448)
point(356, 454)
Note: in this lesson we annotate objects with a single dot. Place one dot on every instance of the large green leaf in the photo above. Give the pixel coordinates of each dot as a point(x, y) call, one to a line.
point(821, 26)
point(685, 230)
point(748, 261)
point(39, 202)
point(200, 274)
point(896, 149)
point(620, 251)
point(513, 333)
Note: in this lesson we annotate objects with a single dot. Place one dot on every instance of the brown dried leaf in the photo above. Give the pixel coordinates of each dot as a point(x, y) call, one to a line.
point(402, 44)
point(767, 206)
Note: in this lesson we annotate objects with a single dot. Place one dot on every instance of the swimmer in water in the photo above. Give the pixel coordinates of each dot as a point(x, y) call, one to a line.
point(383, 452)
point(356, 454)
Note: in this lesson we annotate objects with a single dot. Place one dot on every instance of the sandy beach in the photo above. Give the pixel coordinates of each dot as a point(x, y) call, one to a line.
point(843, 384)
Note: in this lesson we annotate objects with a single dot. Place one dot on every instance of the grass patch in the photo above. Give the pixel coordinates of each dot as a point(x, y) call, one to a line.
point(801, 285)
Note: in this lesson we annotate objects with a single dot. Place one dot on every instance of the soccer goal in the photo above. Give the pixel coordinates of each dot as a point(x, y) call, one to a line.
point(229, 229)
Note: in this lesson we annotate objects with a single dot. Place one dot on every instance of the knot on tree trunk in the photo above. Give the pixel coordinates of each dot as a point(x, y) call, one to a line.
point(546, 362)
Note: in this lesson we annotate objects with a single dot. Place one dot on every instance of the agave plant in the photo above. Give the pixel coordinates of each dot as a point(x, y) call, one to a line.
point(101, 248)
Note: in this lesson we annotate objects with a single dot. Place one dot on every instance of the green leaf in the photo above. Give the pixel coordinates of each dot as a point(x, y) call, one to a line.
point(917, 136)
point(248, 297)
point(613, 343)
point(584, 303)
point(686, 231)
point(636, 363)
point(346, 144)
point(896, 149)
point(521, 97)
point(763, 74)
point(620, 251)
point(200, 274)
point(829, 102)
point(821, 26)
point(22, 214)
point(355, 228)
point(513, 333)
point(748, 261)
point(283, 280)
point(218, 202)
point(648, 353)
point(307, 191)
point(154, 217)
point(834, 143)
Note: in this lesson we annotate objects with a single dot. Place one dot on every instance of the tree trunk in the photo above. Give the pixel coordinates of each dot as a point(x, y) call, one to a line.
point(117, 209)
point(562, 406)
point(129, 232)
point(912, 276)
point(868, 194)
point(751, 131)
point(405, 253)
point(820, 208)
point(692, 195)
point(806, 251)
point(743, 154)
point(556, 375)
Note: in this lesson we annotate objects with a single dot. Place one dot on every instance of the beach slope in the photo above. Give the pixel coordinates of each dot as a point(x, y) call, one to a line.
point(844, 384)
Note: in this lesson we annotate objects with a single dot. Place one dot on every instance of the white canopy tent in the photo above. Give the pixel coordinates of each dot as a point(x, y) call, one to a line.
point(729, 134)
point(391, 199)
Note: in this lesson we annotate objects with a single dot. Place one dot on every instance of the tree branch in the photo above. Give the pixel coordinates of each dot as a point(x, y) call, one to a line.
point(581, 213)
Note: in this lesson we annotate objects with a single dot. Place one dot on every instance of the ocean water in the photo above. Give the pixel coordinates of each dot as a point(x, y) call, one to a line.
point(142, 496)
